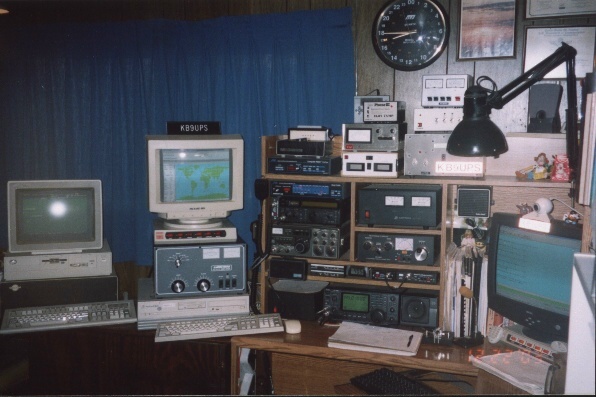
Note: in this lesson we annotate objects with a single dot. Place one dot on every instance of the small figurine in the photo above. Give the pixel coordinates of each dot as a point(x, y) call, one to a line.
point(560, 170)
point(468, 243)
point(540, 170)
point(524, 208)
point(572, 217)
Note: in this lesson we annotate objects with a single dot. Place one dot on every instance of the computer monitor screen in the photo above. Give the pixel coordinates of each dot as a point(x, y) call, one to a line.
point(529, 275)
point(54, 216)
point(194, 180)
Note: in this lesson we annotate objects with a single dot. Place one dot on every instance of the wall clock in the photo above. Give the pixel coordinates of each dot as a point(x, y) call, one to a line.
point(410, 34)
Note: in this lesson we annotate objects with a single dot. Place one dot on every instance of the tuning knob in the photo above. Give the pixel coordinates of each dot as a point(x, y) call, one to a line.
point(203, 285)
point(420, 254)
point(318, 250)
point(377, 316)
point(178, 286)
point(302, 246)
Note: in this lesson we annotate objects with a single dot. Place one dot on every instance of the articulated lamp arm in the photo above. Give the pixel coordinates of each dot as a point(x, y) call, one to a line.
point(565, 53)
point(477, 135)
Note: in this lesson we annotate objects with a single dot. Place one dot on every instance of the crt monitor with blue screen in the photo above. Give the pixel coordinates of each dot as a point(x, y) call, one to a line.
point(529, 275)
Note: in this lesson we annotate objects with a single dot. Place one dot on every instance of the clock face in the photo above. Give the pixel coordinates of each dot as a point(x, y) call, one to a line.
point(410, 34)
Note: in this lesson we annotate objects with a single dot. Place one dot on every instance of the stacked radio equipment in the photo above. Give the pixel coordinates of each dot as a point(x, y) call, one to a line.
point(373, 145)
point(405, 206)
point(442, 109)
point(200, 262)
point(309, 219)
point(395, 237)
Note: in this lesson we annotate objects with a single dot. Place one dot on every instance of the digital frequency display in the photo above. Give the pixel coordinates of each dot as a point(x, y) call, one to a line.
point(355, 302)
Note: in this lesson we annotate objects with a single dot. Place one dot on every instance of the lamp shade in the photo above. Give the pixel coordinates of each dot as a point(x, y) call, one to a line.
point(476, 135)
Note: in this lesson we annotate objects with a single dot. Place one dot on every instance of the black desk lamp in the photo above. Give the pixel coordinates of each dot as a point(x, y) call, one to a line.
point(477, 135)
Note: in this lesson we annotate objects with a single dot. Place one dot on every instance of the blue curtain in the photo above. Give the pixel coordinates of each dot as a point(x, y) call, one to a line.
point(77, 100)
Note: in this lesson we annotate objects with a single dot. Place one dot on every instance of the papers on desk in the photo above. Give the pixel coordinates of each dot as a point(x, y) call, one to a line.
point(362, 337)
point(518, 368)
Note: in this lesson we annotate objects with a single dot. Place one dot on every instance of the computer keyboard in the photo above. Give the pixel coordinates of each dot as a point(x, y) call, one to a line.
point(46, 318)
point(212, 327)
point(387, 382)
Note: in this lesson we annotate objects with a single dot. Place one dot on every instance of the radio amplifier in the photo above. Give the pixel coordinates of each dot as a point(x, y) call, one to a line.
point(202, 269)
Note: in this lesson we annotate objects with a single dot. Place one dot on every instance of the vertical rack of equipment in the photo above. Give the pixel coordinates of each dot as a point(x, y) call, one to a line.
point(508, 192)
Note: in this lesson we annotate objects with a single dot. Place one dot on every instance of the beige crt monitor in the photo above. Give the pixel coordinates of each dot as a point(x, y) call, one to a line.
point(195, 181)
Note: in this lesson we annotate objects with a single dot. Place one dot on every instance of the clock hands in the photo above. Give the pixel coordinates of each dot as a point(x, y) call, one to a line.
point(400, 34)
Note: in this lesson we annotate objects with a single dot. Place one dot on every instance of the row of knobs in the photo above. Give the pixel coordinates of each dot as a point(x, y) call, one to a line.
point(290, 215)
point(179, 286)
point(303, 246)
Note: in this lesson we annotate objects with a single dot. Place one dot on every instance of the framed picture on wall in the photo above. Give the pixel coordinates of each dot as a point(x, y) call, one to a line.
point(486, 29)
point(541, 42)
point(559, 8)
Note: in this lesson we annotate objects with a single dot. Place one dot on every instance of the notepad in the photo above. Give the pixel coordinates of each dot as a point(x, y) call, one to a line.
point(363, 337)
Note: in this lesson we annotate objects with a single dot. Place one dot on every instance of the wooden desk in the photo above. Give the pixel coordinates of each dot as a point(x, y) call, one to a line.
point(303, 364)
point(120, 360)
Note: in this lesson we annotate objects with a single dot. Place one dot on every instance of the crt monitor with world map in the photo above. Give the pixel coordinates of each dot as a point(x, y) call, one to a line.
point(195, 180)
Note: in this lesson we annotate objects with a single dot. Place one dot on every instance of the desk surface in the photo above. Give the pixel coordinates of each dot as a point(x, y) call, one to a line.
point(312, 342)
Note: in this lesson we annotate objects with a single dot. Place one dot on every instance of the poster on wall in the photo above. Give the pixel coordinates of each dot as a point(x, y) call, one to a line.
point(542, 41)
point(487, 29)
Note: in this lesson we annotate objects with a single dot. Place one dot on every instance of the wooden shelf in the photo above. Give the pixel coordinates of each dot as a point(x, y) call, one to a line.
point(507, 193)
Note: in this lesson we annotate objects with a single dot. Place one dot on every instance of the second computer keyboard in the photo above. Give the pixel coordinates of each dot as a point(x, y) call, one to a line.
point(384, 381)
point(45, 318)
point(212, 327)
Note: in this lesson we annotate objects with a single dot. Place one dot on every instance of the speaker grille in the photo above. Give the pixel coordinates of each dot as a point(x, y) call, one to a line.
point(473, 202)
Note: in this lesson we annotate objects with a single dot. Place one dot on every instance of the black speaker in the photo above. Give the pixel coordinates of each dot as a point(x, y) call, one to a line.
point(474, 201)
point(293, 269)
point(543, 108)
point(296, 299)
point(419, 308)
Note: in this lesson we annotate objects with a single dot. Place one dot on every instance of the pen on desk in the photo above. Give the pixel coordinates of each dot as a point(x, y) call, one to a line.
point(410, 340)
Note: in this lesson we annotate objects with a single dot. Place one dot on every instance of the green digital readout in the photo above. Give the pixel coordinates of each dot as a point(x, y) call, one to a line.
point(354, 302)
